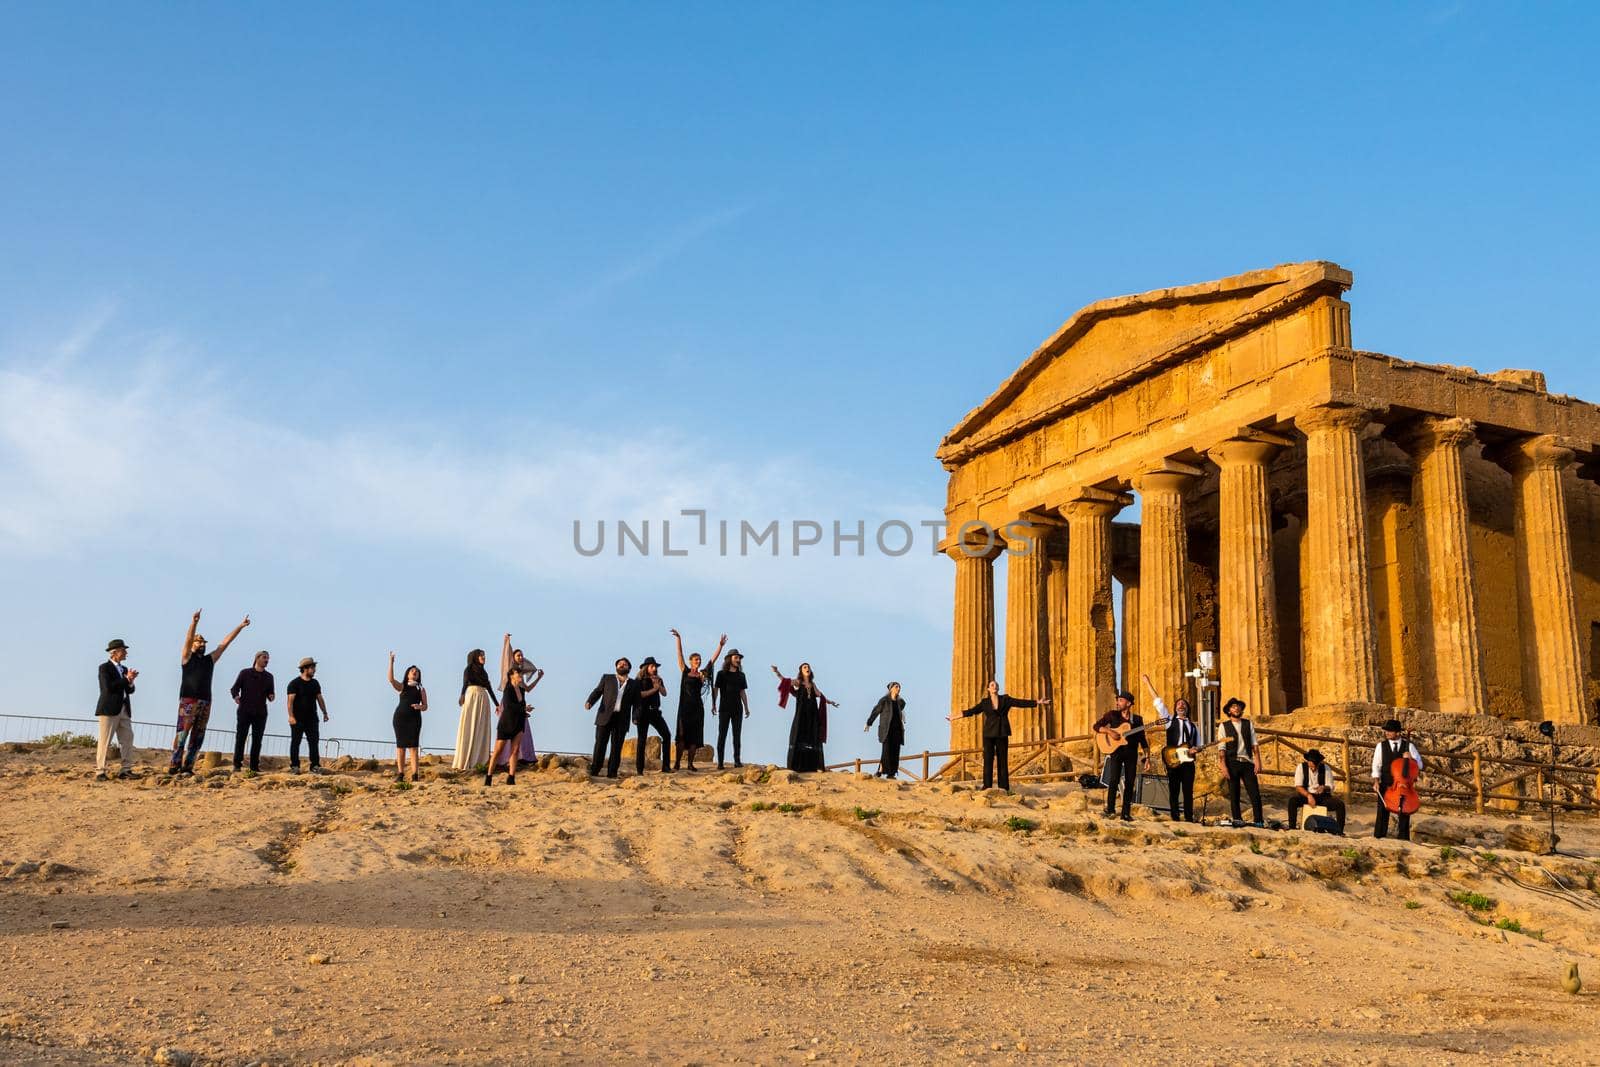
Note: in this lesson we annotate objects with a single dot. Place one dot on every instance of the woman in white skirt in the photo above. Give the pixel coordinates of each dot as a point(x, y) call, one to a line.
point(475, 734)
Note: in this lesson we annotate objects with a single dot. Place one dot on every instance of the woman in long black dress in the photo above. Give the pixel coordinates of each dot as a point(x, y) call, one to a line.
point(890, 715)
point(691, 700)
point(513, 720)
point(808, 732)
point(408, 719)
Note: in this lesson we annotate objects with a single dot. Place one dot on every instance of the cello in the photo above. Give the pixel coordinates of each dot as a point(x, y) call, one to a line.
point(1400, 794)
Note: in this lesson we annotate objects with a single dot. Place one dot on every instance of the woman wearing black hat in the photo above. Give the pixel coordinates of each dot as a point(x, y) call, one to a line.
point(890, 715)
point(1313, 788)
point(692, 700)
point(647, 690)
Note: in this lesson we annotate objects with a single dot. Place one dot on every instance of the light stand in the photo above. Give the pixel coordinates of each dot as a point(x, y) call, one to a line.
point(1548, 729)
point(1205, 689)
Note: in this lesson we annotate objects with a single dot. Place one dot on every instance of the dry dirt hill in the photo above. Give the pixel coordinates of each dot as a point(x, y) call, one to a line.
point(753, 918)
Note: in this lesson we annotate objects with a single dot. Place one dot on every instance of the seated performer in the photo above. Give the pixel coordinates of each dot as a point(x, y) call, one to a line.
point(1120, 765)
point(1313, 788)
point(1391, 748)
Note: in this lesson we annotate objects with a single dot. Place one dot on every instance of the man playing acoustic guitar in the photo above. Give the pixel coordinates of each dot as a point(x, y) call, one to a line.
point(1118, 726)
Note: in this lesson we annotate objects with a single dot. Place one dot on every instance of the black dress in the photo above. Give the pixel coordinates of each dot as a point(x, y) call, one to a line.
point(805, 732)
point(692, 710)
point(407, 719)
point(513, 715)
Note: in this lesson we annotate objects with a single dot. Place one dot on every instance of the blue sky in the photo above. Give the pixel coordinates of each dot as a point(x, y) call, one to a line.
point(341, 314)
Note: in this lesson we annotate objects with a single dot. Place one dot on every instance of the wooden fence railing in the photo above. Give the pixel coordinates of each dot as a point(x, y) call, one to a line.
point(1482, 781)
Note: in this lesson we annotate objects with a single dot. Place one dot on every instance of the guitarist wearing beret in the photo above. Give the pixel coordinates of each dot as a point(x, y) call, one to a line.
point(1118, 725)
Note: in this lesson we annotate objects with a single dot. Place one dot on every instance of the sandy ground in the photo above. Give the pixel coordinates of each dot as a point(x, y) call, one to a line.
point(341, 920)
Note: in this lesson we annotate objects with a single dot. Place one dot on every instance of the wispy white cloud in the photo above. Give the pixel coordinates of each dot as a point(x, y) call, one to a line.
point(86, 461)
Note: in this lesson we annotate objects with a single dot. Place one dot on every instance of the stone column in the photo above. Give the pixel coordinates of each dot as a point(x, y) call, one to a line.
point(1247, 595)
point(1027, 672)
point(1164, 650)
point(972, 654)
point(1128, 676)
point(1340, 645)
point(1057, 627)
point(1091, 666)
point(1552, 666)
point(1439, 497)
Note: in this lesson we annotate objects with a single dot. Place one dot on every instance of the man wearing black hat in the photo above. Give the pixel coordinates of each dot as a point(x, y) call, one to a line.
point(114, 710)
point(648, 689)
point(1391, 748)
point(1313, 788)
point(1120, 769)
point(611, 720)
point(729, 696)
point(1241, 759)
point(305, 700)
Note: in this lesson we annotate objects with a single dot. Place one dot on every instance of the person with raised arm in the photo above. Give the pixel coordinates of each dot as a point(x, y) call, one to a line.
point(890, 715)
point(808, 730)
point(473, 732)
point(194, 693)
point(647, 690)
point(730, 694)
point(531, 676)
point(1184, 736)
point(995, 707)
point(304, 701)
point(692, 700)
point(508, 732)
point(1241, 759)
point(408, 719)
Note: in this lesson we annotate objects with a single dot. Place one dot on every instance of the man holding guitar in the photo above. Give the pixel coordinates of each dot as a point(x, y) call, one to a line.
point(1396, 766)
point(1120, 731)
point(1183, 739)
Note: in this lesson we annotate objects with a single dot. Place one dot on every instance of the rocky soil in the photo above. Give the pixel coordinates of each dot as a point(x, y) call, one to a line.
point(759, 918)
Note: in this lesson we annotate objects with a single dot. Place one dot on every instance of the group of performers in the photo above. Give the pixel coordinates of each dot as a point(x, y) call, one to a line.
point(623, 698)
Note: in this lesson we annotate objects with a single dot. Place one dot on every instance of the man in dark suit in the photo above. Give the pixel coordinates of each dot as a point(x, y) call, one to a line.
point(611, 720)
point(114, 710)
point(995, 707)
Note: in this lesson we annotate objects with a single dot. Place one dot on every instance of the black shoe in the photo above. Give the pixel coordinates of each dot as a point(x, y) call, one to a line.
point(100, 776)
point(1125, 818)
point(736, 763)
point(1107, 814)
point(488, 779)
point(511, 779)
point(720, 767)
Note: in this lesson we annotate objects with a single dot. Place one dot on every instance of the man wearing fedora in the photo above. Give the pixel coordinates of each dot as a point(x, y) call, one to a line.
point(650, 688)
point(305, 700)
point(1313, 788)
point(114, 710)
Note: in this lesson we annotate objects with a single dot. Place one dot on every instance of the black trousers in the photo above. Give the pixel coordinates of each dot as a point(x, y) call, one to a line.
point(724, 722)
point(997, 757)
point(653, 721)
point(1243, 773)
point(1121, 768)
point(1380, 827)
point(254, 723)
point(309, 729)
point(1327, 800)
point(889, 763)
point(1180, 790)
point(609, 735)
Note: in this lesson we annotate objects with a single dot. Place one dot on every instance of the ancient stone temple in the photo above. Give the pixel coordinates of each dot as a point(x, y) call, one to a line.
point(1342, 527)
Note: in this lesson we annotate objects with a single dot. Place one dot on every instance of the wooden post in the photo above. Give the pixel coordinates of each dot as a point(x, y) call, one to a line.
point(1477, 779)
point(858, 765)
point(1349, 772)
point(924, 765)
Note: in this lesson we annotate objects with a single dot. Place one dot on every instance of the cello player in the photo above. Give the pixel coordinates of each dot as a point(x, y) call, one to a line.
point(1392, 747)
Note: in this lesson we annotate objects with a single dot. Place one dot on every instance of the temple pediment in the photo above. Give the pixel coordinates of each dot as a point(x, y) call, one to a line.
point(1112, 343)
